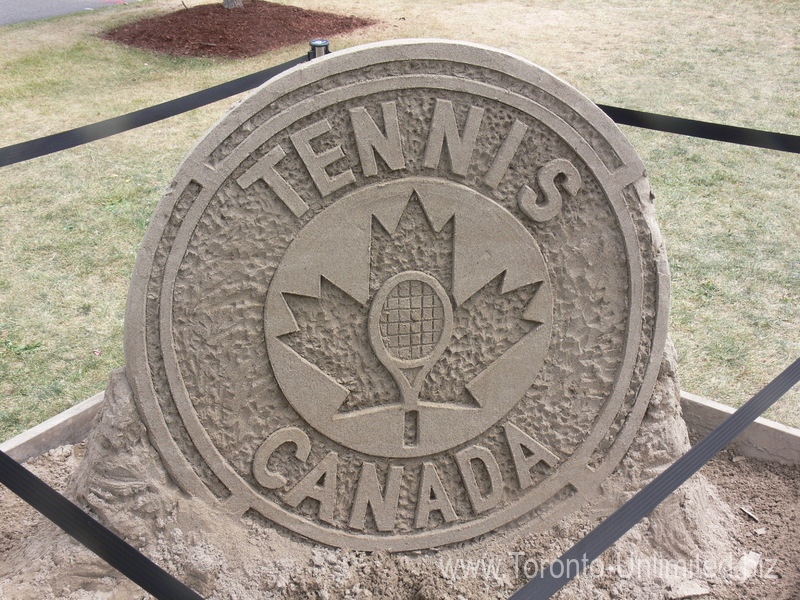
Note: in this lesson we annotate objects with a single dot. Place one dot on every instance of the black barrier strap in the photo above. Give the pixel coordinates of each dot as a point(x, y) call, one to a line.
point(702, 129)
point(163, 586)
point(89, 133)
point(97, 538)
point(614, 527)
point(623, 116)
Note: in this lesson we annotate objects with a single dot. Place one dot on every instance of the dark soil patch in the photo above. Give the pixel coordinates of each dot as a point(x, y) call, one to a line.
point(211, 30)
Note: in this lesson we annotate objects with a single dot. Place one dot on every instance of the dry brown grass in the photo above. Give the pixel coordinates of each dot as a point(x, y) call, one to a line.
point(72, 222)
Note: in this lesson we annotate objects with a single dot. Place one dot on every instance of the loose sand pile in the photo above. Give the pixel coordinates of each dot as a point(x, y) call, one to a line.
point(697, 544)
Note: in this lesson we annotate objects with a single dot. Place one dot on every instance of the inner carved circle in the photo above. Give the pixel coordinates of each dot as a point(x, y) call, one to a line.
point(415, 260)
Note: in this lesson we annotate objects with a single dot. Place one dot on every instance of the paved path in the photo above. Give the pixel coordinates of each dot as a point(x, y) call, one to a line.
point(17, 11)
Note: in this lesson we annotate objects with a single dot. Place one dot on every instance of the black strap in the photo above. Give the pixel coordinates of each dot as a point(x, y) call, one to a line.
point(89, 133)
point(139, 569)
point(703, 129)
point(578, 558)
point(624, 116)
point(97, 538)
point(163, 586)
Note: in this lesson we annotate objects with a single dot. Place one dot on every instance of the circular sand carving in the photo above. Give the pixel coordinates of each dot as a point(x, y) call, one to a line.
point(400, 297)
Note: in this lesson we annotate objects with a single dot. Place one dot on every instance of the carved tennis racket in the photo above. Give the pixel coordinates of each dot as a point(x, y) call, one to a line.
point(410, 325)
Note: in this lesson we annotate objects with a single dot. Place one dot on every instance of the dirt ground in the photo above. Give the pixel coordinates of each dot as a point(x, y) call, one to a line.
point(211, 30)
point(768, 491)
point(771, 492)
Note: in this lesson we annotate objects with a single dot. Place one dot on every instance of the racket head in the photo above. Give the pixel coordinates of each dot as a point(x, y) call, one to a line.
point(410, 321)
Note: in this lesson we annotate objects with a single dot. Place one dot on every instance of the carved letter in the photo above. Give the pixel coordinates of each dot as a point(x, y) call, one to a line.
point(444, 126)
point(265, 169)
point(271, 479)
point(368, 493)
point(369, 139)
point(546, 177)
point(316, 163)
point(464, 460)
point(432, 496)
point(507, 151)
point(527, 453)
point(319, 484)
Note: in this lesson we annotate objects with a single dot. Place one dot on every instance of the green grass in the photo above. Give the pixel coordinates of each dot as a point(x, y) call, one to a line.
point(732, 236)
point(71, 223)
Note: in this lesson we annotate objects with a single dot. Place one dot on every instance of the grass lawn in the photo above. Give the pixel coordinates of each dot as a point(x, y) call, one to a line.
point(71, 222)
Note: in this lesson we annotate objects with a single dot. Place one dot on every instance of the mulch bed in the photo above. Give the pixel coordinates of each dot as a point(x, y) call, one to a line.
point(210, 30)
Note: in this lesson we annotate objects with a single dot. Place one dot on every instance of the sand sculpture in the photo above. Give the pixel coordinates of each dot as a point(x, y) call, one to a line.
point(408, 296)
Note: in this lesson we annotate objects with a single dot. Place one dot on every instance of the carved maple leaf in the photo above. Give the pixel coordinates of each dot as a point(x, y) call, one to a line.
point(332, 329)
